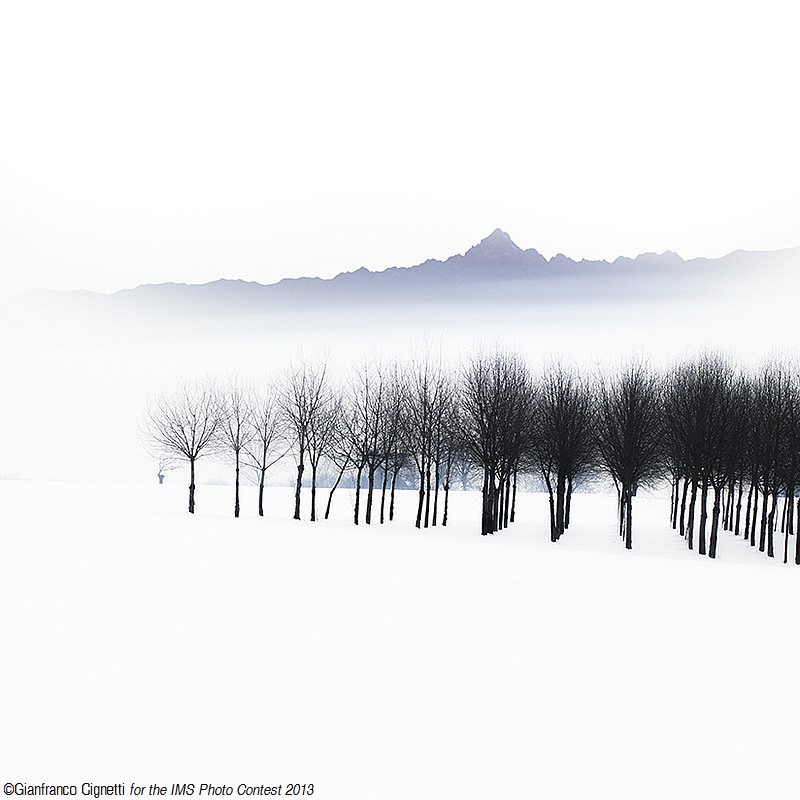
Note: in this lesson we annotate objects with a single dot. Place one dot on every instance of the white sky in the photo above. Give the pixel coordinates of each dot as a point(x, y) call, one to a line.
point(148, 142)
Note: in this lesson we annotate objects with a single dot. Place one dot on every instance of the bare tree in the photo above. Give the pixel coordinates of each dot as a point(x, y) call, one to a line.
point(393, 457)
point(629, 436)
point(703, 418)
point(236, 429)
point(166, 463)
point(496, 411)
point(562, 444)
point(304, 395)
point(424, 398)
point(363, 429)
point(267, 445)
point(185, 425)
point(323, 431)
point(341, 448)
point(772, 396)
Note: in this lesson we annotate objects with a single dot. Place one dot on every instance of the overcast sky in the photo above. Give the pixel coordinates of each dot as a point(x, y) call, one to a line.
point(188, 141)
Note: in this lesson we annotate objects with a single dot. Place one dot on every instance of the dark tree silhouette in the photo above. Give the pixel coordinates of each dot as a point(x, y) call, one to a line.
point(703, 415)
point(363, 423)
point(392, 456)
point(185, 425)
point(425, 387)
point(304, 397)
point(496, 411)
point(322, 435)
point(771, 396)
point(341, 448)
point(563, 444)
point(236, 429)
point(267, 445)
point(629, 436)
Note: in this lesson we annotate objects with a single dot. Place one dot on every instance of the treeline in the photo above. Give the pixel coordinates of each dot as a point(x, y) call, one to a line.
point(726, 441)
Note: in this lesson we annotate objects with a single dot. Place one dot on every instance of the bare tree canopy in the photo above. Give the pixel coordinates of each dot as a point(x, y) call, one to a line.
point(185, 425)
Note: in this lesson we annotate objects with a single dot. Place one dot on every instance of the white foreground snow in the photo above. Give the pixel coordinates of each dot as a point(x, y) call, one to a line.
point(142, 644)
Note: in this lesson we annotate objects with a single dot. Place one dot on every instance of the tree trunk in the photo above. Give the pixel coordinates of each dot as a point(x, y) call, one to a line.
point(495, 489)
point(435, 494)
point(690, 521)
point(561, 490)
point(762, 539)
point(313, 491)
point(370, 492)
point(486, 505)
point(701, 543)
point(683, 506)
point(507, 502)
point(568, 503)
point(514, 498)
point(786, 538)
point(333, 489)
point(552, 507)
point(725, 505)
point(391, 496)
point(421, 503)
point(747, 514)
point(358, 495)
point(191, 486)
point(498, 508)
point(384, 484)
point(674, 509)
point(754, 518)
point(446, 503)
point(738, 508)
point(236, 505)
point(629, 521)
point(731, 505)
point(297, 487)
point(428, 495)
point(712, 546)
point(771, 526)
point(797, 536)
point(673, 499)
point(261, 481)
point(784, 512)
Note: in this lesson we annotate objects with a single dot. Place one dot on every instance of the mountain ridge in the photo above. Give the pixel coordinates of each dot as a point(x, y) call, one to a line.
point(495, 269)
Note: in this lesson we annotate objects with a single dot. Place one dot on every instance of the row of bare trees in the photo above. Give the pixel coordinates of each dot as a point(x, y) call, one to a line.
point(374, 426)
point(204, 419)
point(728, 442)
point(733, 454)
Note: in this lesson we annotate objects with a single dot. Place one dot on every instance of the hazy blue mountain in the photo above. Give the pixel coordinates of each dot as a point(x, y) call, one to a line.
point(494, 270)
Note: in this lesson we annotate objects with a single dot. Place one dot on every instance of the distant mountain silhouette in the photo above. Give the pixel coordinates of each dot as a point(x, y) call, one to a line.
point(494, 270)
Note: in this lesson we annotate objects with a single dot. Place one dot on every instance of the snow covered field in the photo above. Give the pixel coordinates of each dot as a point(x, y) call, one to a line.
point(141, 644)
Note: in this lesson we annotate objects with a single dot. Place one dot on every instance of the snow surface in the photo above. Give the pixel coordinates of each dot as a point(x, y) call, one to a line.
point(143, 644)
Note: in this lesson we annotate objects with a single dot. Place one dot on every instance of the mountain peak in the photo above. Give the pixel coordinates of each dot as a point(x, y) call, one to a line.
point(496, 243)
